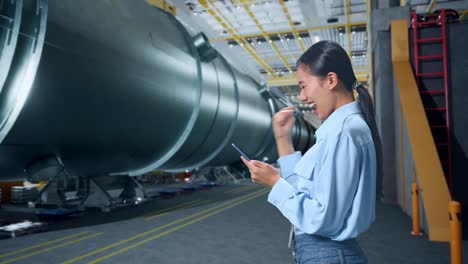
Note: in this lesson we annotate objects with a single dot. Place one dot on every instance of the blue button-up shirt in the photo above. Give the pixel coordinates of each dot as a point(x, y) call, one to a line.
point(330, 191)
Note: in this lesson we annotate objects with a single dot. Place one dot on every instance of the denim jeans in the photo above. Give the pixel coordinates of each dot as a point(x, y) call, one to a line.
point(313, 249)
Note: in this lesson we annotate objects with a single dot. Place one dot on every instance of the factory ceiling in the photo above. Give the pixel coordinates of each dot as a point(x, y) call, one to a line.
point(268, 36)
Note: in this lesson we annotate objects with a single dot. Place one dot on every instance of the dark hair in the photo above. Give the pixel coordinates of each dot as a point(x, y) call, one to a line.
point(328, 56)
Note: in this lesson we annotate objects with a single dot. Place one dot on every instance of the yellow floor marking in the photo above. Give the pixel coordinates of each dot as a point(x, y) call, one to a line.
point(170, 208)
point(40, 245)
point(49, 249)
point(173, 229)
point(156, 229)
point(183, 207)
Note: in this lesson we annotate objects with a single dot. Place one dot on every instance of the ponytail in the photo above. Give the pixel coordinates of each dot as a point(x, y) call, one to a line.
point(367, 108)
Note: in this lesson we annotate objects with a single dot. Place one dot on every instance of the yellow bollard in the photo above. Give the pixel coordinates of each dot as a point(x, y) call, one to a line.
point(455, 232)
point(416, 228)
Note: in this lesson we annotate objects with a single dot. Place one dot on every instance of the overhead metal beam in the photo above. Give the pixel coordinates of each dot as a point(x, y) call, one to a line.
point(302, 30)
point(270, 59)
point(455, 5)
point(292, 80)
point(463, 15)
point(291, 23)
point(362, 79)
point(348, 26)
point(370, 59)
point(244, 43)
point(265, 35)
point(281, 81)
point(289, 91)
point(164, 5)
point(431, 6)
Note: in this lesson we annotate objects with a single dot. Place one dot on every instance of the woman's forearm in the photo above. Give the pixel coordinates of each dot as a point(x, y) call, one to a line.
point(285, 146)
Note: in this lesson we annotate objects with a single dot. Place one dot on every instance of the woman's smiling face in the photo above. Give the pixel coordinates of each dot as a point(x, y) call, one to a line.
point(317, 91)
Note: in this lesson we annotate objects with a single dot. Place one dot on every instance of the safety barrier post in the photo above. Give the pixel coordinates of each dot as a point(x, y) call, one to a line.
point(455, 232)
point(416, 228)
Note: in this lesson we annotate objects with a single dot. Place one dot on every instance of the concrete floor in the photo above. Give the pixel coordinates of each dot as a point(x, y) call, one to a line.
point(227, 224)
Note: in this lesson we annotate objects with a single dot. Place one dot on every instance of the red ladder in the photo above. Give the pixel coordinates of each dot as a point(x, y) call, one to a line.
point(441, 131)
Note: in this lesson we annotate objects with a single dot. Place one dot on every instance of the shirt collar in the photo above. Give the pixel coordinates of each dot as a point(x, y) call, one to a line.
point(335, 121)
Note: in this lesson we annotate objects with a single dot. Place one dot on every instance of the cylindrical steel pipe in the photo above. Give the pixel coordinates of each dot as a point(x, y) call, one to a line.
point(130, 92)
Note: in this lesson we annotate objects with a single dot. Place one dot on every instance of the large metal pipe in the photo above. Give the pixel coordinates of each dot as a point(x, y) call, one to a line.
point(128, 92)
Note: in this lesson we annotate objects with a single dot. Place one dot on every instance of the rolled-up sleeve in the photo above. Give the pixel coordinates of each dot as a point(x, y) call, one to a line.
point(287, 164)
point(280, 190)
point(323, 209)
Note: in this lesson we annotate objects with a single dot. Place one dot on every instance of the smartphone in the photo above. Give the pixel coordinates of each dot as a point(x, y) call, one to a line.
point(240, 151)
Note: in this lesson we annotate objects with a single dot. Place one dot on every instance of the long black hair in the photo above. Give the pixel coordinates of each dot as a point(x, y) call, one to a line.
point(328, 56)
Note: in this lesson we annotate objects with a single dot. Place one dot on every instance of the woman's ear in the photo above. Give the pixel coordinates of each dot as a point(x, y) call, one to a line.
point(332, 80)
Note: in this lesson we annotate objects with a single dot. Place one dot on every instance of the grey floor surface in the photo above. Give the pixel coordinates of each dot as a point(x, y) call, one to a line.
point(229, 224)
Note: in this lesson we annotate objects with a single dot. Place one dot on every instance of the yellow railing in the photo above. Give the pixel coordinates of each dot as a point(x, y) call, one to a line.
point(434, 190)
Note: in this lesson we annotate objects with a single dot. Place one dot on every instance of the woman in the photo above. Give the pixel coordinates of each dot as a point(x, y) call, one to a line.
point(329, 193)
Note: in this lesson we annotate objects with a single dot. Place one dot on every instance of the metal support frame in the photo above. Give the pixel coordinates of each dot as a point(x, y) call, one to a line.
point(50, 194)
point(224, 176)
point(105, 198)
point(55, 193)
point(219, 175)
